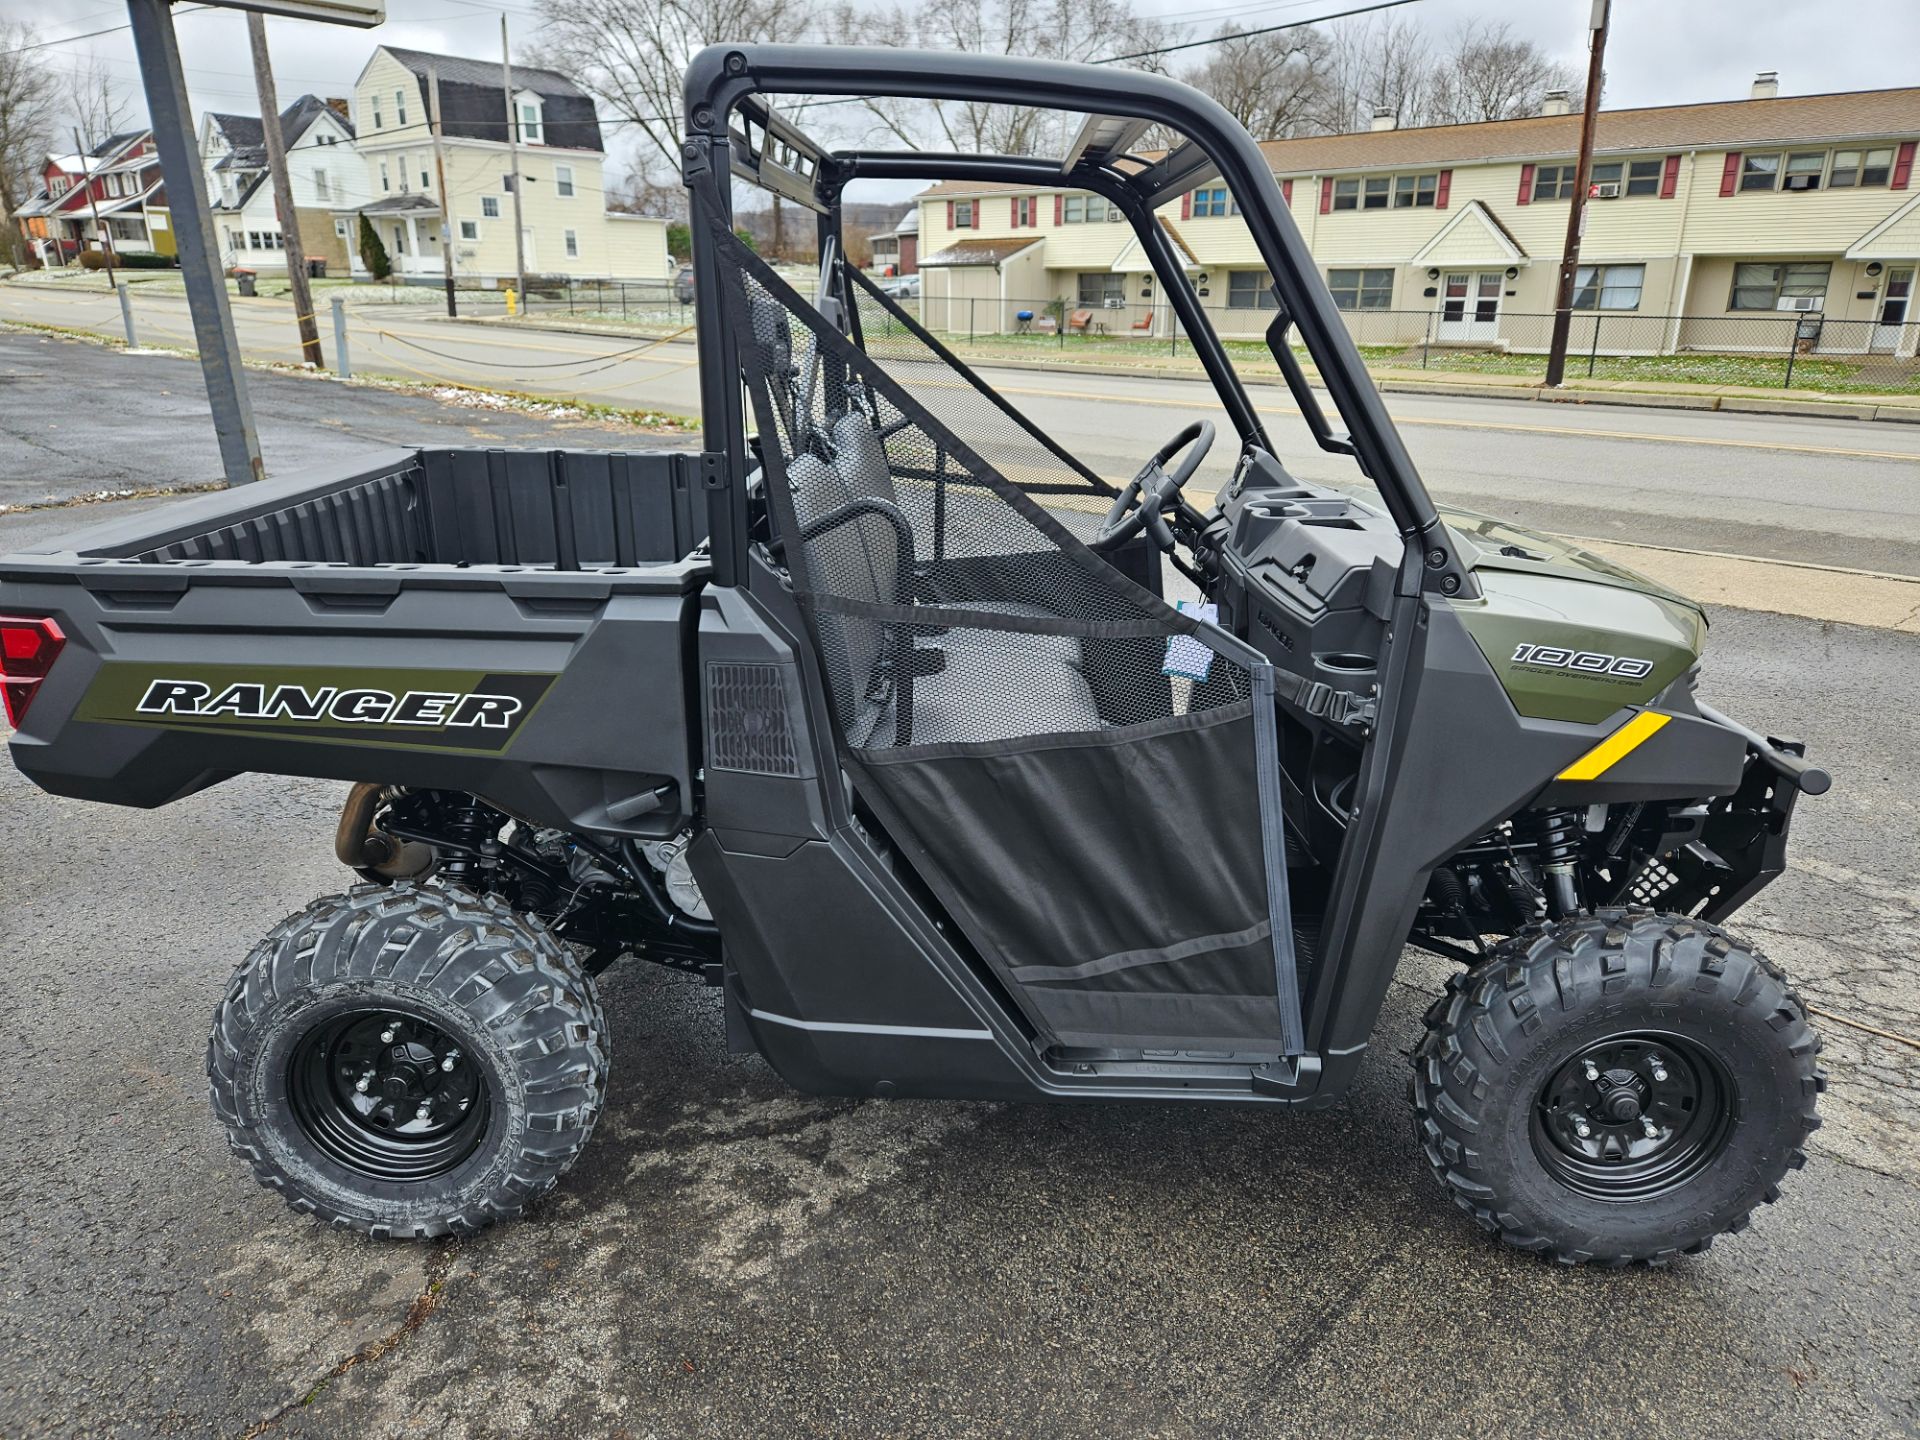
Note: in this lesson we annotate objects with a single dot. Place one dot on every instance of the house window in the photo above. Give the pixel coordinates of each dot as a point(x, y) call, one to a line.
point(403, 174)
point(1759, 172)
point(378, 123)
point(1346, 194)
point(573, 244)
point(469, 229)
point(400, 106)
point(1214, 201)
point(1411, 191)
point(1803, 170)
point(563, 181)
point(506, 183)
point(1638, 177)
point(1076, 209)
point(1764, 285)
point(1553, 182)
point(963, 214)
point(385, 181)
point(1376, 192)
point(322, 187)
point(1022, 211)
point(253, 240)
point(1250, 290)
point(1859, 167)
point(340, 228)
point(1361, 289)
point(426, 182)
point(530, 133)
point(490, 207)
point(1608, 287)
point(1102, 288)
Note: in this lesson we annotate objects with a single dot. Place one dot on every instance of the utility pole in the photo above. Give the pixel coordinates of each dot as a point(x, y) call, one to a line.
point(290, 245)
point(513, 157)
point(93, 203)
point(166, 87)
point(440, 182)
point(1577, 212)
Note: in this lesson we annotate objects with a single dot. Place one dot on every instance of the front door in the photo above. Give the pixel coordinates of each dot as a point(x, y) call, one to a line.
point(1470, 306)
point(528, 258)
point(1896, 308)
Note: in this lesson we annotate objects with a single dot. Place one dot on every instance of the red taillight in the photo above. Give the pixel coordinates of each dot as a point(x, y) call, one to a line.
point(28, 648)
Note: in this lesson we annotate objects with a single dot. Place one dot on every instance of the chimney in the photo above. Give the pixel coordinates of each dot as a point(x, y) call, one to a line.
point(1766, 85)
point(339, 104)
point(1556, 102)
point(1384, 118)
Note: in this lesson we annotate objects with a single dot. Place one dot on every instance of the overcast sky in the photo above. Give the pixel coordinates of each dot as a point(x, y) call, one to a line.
point(1660, 51)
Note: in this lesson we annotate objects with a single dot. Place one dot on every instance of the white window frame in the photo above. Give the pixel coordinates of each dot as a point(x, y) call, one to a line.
point(533, 131)
point(570, 242)
point(965, 215)
point(1780, 283)
point(400, 107)
point(470, 231)
point(1250, 290)
point(386, 180)
point(1364, 285)
point(1601, 288)
point(490, 207)
point(563, 182)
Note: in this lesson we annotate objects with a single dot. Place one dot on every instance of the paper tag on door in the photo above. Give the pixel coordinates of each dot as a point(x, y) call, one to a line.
point(1187, 658)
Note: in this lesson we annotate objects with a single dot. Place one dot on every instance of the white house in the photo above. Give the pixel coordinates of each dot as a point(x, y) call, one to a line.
point(323, 164)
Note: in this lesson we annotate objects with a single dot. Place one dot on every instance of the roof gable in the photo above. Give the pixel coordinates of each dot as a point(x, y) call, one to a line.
point(1473, 236)
point(474, 107)
point(1895, 238)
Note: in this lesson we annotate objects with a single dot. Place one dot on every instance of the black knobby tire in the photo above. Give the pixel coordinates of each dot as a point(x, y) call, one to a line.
point(464, 978)
point(1491, 1081)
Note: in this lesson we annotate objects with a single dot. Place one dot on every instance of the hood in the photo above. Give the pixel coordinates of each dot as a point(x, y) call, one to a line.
point(1487, 543)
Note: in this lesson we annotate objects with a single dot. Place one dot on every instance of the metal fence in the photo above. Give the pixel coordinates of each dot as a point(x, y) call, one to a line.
point(1806, 350)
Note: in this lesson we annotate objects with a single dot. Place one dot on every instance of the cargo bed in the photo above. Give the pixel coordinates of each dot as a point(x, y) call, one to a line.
point(462, 619)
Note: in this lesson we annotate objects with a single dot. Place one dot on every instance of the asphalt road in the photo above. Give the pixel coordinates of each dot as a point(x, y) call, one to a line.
point(733, 1258)
point(1827, 492)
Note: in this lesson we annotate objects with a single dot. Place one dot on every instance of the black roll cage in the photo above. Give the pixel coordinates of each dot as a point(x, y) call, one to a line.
point(731, 131)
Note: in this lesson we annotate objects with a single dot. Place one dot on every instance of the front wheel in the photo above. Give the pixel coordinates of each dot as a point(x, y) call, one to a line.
point(408, 1060)
point(1618, 1087)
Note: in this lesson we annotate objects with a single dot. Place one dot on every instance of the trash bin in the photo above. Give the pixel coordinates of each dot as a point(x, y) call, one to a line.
point(245, 280)
point(316, 269)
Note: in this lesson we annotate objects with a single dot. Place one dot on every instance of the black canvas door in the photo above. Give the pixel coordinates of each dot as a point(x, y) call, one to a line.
point(1084, 776)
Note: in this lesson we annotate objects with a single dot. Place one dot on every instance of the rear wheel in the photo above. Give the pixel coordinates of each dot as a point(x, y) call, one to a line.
point(1616, 1088)
point(408, 1061)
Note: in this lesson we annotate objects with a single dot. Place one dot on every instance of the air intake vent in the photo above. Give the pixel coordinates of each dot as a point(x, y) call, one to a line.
point(747, 724)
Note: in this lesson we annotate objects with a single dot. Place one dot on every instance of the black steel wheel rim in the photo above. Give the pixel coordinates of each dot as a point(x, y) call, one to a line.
point(1633, 1116)
point(388, 1094)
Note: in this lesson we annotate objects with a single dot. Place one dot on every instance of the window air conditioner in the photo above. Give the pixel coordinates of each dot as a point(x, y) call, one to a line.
point(1607, 190)
point(1801, 182)
point(1113, 216)
point(1799, 302)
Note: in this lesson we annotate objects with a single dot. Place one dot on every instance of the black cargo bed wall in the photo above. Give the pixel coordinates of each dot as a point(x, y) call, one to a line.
point(559, 509)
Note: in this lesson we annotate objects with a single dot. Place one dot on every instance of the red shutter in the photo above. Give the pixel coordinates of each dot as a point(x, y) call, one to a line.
point(1326, 193)
point(1060, 209)
point(1525, 196)
point(1730, 173)
point(1013, 211)
point(1286, 192)
point(1186, 206)
point(1440, 190)
point(950, 215)
point(1902, 167)
point(1670, 177)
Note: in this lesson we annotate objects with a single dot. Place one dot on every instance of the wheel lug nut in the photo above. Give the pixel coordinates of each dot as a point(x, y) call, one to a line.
point(425, 1112)
point(448, 1063)
point(363, 1084)
point(1652, 1130)
point(1659, 1072)
point(386, 1035)
point(1593, 1071)
point(1582, 1129)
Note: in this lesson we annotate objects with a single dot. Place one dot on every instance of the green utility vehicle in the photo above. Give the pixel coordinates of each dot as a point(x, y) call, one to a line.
point(873, 713)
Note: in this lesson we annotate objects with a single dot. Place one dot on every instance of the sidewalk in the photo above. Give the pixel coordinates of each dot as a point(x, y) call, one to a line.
point(1578, 390)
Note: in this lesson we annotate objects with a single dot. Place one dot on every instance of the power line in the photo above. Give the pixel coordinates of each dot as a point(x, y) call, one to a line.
point(1249, 34)
point(91, 34)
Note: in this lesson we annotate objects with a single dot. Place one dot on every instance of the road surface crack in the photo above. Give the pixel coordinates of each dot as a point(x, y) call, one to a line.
point(439, 1267)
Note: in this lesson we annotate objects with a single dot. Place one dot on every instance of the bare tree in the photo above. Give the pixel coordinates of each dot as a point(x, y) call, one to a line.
point(1489, 73)
point(1081, 30)
point(96, 107)
point(1382, 62)
point(1275, 85)
point(632, 54)
point(29, 109)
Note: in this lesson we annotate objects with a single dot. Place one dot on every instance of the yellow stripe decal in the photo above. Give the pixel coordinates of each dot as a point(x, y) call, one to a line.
point(1616, 747)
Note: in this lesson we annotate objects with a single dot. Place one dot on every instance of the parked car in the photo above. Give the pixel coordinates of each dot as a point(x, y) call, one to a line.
point(902, 287)
point(683, 285)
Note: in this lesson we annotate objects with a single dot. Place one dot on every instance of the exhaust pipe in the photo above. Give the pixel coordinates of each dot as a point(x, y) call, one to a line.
point(359, 846)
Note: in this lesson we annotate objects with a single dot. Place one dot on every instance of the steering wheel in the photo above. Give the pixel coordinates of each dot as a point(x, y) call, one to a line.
point(1141, 505)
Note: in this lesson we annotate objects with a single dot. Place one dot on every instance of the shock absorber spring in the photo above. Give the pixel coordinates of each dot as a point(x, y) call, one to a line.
point(1557, 842)
point(474, 832)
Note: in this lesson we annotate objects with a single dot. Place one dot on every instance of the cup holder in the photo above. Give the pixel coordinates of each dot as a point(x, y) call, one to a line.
point(1346, 662)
